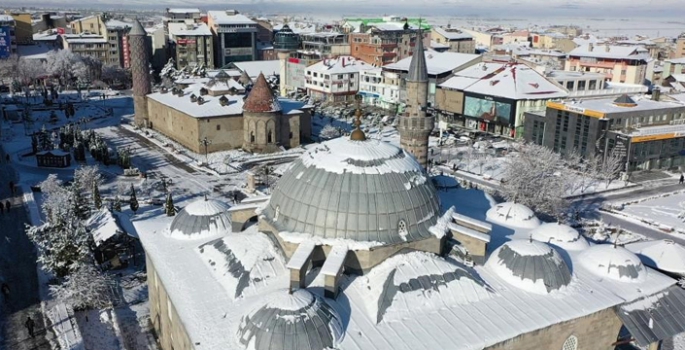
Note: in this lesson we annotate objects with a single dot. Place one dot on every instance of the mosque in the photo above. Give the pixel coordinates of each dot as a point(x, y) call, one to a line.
point(353, 250)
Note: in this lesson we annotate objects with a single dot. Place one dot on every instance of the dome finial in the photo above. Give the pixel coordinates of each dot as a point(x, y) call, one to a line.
point(205, 197)
point(358, 134)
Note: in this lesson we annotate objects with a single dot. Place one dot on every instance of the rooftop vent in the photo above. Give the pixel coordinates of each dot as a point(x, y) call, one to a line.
point(223, 100)
point(203, 91)
point(193, 98)
point(200, 100)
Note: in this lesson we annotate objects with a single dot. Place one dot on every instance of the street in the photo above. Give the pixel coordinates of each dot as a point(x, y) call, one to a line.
point(18, 269)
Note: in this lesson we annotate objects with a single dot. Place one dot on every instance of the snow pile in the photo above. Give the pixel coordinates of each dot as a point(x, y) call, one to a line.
point(103, 226)
point(513, 215)
point(562, 236)
point(360, 157)
point(206, 208)
point(298, 238)
point(297, 300)
point(613, 262)
point(244, 263)
point(664, 255)
point(442, 225)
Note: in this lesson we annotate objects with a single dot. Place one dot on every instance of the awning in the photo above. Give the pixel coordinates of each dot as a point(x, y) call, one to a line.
point(656, 317)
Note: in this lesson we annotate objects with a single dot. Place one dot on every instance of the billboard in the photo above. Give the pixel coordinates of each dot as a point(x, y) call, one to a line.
point(5, 42)
point(488, 109)
point(294, 75)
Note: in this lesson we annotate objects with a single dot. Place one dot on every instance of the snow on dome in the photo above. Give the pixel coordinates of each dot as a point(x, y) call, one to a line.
point(513, 215)
point(364, 191)
point(616, 263)
point(530, 265)
point(201, 219)
point(560, 235)
point(300, 320)
point(665, 255)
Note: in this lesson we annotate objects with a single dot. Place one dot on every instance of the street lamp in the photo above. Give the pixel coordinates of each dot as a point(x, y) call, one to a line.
point(206, 142)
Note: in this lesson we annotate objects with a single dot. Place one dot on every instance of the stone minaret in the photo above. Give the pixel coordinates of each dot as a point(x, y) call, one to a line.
point(140, 72)
point(415, 126)
point(283, 57)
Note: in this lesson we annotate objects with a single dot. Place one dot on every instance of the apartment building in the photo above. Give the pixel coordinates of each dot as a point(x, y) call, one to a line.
point(235, 37)
point(679, 46)
point(320, 45)
point(384, 43)
point(91, 45)
point(619, 64)
point(23, 29)
point(334, 79)
point(192, 44)
point(592, 85)
point(454, 38)
point(86, 31)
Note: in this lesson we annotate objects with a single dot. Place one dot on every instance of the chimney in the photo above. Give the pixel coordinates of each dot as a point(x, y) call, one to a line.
point(656, 94)
point(590, 47)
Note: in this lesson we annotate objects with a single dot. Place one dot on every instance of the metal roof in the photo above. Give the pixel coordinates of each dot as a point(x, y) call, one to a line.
point(137, 29)
point(417, 68)
point(656, 317)
point(200, 219)
point(302, 321)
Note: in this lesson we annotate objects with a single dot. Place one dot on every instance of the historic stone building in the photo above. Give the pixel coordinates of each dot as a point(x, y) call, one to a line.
point(415, 125)
point(140, 72)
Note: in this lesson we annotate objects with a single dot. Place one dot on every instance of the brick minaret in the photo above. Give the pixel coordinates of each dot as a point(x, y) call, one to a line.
point(140, 72)
point(415, 126)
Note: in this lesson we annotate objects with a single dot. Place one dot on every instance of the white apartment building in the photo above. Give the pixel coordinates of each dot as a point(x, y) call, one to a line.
point(335, 79)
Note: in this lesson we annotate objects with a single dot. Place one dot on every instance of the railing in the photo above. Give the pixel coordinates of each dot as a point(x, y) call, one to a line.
point(606, 92)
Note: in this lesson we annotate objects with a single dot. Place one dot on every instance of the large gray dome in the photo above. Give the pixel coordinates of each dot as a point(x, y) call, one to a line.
point(367, 191)
point(300, 320)
point(201, 219)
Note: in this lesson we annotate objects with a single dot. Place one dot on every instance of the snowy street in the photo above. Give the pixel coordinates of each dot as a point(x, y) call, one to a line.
point(18, 270)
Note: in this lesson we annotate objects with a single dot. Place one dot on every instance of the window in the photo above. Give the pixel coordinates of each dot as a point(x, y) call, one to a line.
point(571, 343)
point(218, 127)
point(269, 137)
point(402, 228)
point(252, 136)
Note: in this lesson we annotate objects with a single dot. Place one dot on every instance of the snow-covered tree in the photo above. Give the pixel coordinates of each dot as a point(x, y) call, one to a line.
point(133, 201)
point(85, 288)
point(87, 69)
point(169, 206)
point(329, 132)
point(50, 185)
point(113, 75)
point(78, 202)
point(63, 244)
point(117, 204)
point(87, 177)
point(536, 177)
point(61, 63)
point(97, 200)
point(44, 141)
point(611, 167)
point(30, 70)
point(583, 169)
point(479, 159)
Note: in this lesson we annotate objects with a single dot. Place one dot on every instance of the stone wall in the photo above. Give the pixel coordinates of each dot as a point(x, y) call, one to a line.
point(256, 130)
point(449, 100)
point(176, 125)
point(169, 329)
point(597, 331)
point(226, 132)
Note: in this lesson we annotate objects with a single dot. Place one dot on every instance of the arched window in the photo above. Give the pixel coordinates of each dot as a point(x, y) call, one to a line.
point(252, 136)
point(269, 137)
point(571, 343)
point(402, 229)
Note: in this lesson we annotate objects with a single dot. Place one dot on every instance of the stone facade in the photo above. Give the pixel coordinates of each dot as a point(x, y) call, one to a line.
point(415, 126)
point(597, 331)
point(140, 73)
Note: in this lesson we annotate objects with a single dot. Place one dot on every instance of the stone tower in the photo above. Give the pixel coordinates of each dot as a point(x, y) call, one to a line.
point(415, 126)
point(262, 127)
point(283, 57)
point(140, 72)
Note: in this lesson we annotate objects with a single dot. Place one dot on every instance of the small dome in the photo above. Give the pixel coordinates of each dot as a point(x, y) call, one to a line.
point(300, 320)
point(200, 219)
point(562, 236)
point(530, 265)
point(665, 255)
point(513, 215)
point(616, 263)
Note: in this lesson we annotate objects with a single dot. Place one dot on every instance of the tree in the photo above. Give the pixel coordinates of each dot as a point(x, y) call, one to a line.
point(87, 177)
point(85, 288)
point(30, 70)
point(77, 202)
point(63, 244)
point(9, 69)
point(117, 204)
point(133, 201)
point(169, 206)
point(44, 141)
point(61, 63)
point(97, 201)
point(611, 167)
point(115, 75)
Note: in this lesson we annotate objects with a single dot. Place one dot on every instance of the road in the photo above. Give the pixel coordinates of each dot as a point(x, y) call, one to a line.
point(18, 268)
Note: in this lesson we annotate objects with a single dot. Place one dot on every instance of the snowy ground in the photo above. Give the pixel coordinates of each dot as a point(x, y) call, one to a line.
point(660, 211)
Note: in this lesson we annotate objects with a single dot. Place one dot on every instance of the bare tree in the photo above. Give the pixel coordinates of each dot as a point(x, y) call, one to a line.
point(28, 71)
point(585, 168)
point(61, 64)
point(8, 69)
point(611, 167)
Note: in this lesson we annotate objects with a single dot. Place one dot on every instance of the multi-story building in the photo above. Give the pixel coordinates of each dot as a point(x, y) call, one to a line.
point(118, 43)
point(192, 44)
point(650, 131)
point(113, 31)
point(8, 39)
point(486, 37)
point(552, 40)
point(456, 39)
point(592, 85)
point(619, 64)
point(23, 29)
point(320, 45)
point(334, 79)
point(674, 66)
point(158, 44)
point(385, 43)
point(235, 37)
point(91, 45)
point(679, 46)
point(493, 97)
point(182, 15)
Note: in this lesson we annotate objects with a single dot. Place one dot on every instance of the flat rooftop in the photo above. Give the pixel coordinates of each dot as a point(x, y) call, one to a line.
point(607, 105)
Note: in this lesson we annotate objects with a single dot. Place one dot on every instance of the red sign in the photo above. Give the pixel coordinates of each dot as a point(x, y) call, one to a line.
point(294, 60)
point(60, 31)
point(185, 41)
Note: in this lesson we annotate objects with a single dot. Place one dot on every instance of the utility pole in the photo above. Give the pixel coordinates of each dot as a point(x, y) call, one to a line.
point(206, 142)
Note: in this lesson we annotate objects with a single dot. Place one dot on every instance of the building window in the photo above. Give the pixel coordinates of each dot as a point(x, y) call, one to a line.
point(402, 228)
point(269, 137)
point(571, 343)
point(218, 127)
point(252, 136)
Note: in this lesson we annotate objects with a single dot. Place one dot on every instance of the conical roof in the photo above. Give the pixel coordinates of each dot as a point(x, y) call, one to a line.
point(417, 67)
point(261, 99)
point(625, 100)
point(137, 29)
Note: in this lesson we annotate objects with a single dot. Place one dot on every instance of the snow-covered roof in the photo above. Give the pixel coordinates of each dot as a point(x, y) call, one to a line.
point(560, 235)
point(437, 62)
point(49, 36)
point(607, 105)
point(530, 265)
point(568, 74)
point(613, 52)
point(665, 255)
point(513, 215)
point(452, 33)
point(6, 18)
point(184, 29)
point(201, 219)
point(84, 39)
point(339, 65)
point(103, 226)
point(228, 18)
point(468, 76)
point(254, 68)
point(116, 24)
point(183, 10)
point(616, 263)
point(677, 60)
point(38, 51)
point(211, 107)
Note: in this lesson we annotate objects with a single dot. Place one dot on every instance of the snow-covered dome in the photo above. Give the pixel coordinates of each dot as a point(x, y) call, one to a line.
point(560, 235)
point(665, 255)
point(300, 320)
point(617, 263)
point(366, 191)
point(530, 265)
point(201, 219)
point(513, 215)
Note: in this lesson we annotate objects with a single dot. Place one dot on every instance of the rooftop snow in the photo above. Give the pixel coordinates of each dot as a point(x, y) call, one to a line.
point(223, 18)
point(677, 60)
point(183, 10)
point(103, 226)
point(664, 255)
point(606, 105)
point(559, 235)
point(210, 108)
point(614, 52)
point(452, 34)
point(513, 215)
point(182, 29)
point(339, 65)
point(438, 62)
point(567, 74)
point(616, 263)
point(253, 68)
